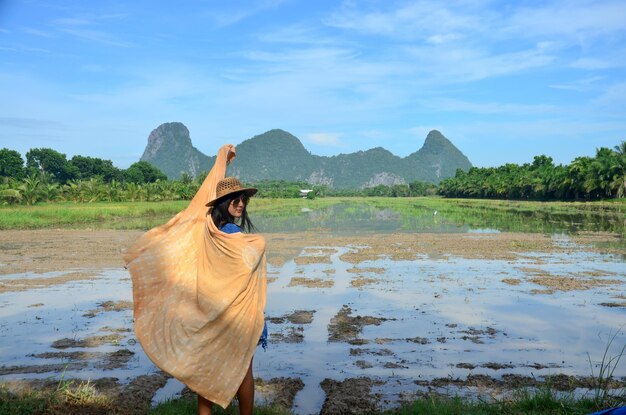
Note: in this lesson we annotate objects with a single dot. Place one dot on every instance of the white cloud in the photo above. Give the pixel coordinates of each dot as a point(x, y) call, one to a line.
point(98, 37)
point(462, 64)
point(614, 98)
point(440, 39)
point(36, 32)
point(301, 34)
point(87, 27)
point(584, 84)
point(580, 21)
point(456, 105)
point(30, 123)
point(415, 20)
point(324, 139)
point(592, 64)
point(72, 21)
point(231, 17)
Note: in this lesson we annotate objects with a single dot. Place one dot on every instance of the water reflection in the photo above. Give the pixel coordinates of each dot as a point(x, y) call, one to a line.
point(443, 314)
point(358, 218)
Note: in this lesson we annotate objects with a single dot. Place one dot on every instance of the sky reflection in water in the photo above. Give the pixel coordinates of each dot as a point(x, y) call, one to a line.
point(446, 301)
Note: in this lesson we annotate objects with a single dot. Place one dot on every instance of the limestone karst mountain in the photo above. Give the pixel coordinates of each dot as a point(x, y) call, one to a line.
point(169, 148)
point(276, 154)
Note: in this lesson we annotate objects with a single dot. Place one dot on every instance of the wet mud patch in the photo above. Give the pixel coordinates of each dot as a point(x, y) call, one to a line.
point(57, 368)
point(509, 381)
point(116, 359)
point(108, 329)
point(108, 386)
point(511, 281)
point(361, 281)
point(290, 334)
point(344, 327)
point(477, 336)
point(604, 242)
point(114, 398)
point(312, 259)
point(363, 364)
point(25, 284)
point(418, 340)
point(368, 351)
point(351, 396)
point(297, 317)
point(373, 270)
point(287, 335)
point(279, 391)
point(621, 304)
point(106, 361)
point(496, 246)
point(282, 248)
point(136, 398)
point(310, 282)
point(109, 306)
point(92, 341)
point(395, 365)
point(319, 251)
point(570, 283)
point(472, 334)
point(45, 250)
point(490, 365)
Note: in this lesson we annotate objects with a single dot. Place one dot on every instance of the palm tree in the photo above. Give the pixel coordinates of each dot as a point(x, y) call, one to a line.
point(92, 190)
point(49, 191)
point(112, 191)
point(73, 190)
point(31, 189)
point(10, 196)
point(133, 192)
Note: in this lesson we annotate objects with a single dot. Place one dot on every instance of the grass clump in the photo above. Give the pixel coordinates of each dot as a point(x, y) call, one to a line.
point(69, 397)
point(543, 401)
point(189, 406)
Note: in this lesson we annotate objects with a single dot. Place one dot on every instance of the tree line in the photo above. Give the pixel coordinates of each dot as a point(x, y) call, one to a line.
point(585, 178)
point(48, 176)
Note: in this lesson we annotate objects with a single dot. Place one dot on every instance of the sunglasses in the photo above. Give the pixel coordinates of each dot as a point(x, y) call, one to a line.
point(244, 199)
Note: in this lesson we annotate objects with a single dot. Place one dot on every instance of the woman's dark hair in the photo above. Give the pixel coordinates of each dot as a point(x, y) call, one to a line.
point(220, 215)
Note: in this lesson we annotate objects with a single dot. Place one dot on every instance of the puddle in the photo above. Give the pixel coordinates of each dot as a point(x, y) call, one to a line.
point(375, 330)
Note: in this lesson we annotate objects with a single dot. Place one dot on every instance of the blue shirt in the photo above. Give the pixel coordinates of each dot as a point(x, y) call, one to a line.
point(230, 228)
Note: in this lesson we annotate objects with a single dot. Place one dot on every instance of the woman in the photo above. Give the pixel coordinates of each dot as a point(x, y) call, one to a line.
point(229, 207)
point(199, 296)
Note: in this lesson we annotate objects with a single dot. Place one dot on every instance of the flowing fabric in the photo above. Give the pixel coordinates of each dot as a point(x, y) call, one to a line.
point(199, 295)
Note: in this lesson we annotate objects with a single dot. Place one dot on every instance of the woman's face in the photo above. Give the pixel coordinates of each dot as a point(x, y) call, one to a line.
point(237, 205)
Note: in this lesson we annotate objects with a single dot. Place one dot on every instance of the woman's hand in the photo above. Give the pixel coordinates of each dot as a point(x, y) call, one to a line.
point(231, 154)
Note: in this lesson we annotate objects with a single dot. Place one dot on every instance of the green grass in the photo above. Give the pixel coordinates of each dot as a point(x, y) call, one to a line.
point(186, 406)
point(69, 397)
point(80, 398)
point(415, 213)
point(543, 401)
point(111, 215)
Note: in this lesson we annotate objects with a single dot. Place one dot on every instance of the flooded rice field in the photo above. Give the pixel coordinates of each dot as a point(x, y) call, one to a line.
point(368, 318)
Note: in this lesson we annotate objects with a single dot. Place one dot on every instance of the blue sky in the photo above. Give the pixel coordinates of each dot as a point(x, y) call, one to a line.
point(504, 81)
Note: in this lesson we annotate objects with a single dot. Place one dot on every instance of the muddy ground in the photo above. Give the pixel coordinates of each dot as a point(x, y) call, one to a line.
point(76, 254)
point(48, 250)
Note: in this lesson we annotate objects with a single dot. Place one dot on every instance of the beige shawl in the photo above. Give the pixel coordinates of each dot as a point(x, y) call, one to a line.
point(199, 295)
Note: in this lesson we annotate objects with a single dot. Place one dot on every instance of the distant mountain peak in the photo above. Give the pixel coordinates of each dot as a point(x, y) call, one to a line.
point(170, 149)
point(435, 141)
point(279, 155)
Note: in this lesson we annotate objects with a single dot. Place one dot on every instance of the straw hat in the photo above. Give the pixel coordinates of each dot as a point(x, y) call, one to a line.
point(230, 185)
